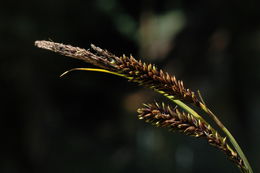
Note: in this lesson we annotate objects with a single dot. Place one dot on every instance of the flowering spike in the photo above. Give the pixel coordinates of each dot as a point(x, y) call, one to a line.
point(147, 75)
point(162, 115)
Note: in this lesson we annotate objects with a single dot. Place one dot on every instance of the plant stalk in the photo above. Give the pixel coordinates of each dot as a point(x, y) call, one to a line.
point(229, 135)
point(187, 109)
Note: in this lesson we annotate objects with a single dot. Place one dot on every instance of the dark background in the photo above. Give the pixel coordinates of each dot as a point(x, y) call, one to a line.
point(87, 122)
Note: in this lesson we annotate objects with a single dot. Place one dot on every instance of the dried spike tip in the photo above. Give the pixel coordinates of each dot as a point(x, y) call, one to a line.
point(162, 115)
point(102, 59)
point(142, 73)
point(135, 71)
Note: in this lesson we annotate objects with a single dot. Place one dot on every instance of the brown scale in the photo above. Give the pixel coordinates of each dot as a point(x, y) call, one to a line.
point(174, 120)
point(144, 74)
point(149, 76)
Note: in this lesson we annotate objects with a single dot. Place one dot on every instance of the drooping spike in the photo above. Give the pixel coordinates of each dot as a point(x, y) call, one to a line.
point(148, 76)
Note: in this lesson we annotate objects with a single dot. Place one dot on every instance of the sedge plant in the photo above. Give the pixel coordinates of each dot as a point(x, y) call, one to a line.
point(183, 118)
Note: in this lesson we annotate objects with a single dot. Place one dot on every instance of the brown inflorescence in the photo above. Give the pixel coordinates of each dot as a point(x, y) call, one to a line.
point(149, 76)
point(162, 115)
point(137, 71)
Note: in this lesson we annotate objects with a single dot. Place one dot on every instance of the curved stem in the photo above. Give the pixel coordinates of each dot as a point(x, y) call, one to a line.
point(186, 108)
point(238, 149)
point(218, 122)
point(91, 69)
point(229, 135)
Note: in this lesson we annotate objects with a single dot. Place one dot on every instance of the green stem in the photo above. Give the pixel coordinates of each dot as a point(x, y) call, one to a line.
point(188, 109)
point(229, 135)
point(238, 149)
point(218, 122)
point(91, 69)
